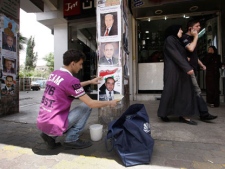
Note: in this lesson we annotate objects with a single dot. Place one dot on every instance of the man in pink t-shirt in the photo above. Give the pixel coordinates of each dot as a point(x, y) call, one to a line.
point(55, 117)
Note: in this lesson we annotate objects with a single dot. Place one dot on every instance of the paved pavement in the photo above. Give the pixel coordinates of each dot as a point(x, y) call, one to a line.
point(177, 145)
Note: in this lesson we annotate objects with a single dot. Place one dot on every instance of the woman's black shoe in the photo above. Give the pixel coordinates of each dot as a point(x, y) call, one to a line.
point(165, 119)
point(191, 122)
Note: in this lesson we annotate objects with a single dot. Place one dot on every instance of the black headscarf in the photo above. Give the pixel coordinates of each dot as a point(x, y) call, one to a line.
point(215, 50)
point(172, 30)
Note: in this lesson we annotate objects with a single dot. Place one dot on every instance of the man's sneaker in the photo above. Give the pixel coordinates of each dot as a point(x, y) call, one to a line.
point(49, 141)
point(79, 144)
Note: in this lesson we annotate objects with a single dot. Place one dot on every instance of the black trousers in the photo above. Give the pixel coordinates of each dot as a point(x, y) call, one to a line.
point(202, 106)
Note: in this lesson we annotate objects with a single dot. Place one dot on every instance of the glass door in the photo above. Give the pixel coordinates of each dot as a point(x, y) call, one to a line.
point(83, 37)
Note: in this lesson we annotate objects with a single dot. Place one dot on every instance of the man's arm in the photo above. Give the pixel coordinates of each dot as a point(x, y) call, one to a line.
point(191, 46)
point(191, 72)
point(92, 81)
point(95, 103)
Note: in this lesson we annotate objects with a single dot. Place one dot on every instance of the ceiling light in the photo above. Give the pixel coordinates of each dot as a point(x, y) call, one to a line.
point(146, 31)
point(165, 18)
point(184, 16)
point(158, 12)
point(193, 8)
point(149, 19)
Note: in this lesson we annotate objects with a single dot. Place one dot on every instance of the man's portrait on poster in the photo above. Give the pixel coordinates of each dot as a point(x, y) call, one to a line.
point(9, 42)
point(9, 65)
point(8, 89)
point(109, 25)
point(109, 53)
point(106, 91)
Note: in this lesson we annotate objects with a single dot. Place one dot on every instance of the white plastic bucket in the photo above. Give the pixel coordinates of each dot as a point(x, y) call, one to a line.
point(96, 132)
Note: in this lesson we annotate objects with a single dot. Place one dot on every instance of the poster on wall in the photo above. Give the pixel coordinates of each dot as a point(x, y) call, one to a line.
point(125, 64)
point(0, 73)
point(9, 44)
point(8, 85)
point(109, 24)
point(106, 3)
point(125, 11)
point(111, 83)
point(125, 37)
point(8, 55)
point(109, 54)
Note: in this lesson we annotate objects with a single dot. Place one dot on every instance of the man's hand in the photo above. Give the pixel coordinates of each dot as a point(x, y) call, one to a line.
point(96, 80)
point(194, 32)
point(191, 72)
point(113, 103)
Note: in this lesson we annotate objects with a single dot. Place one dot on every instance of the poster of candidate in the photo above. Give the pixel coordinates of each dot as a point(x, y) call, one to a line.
point(109, 24)
point(109, 54)
point(111, 83)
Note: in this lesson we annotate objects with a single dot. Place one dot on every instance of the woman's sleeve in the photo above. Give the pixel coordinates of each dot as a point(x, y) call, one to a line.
point(172, 49)
point(219, 61)
point(206, 60)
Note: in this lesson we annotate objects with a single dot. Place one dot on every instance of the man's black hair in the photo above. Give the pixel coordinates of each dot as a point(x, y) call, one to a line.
point(8, 76)
point(192, 22)
point(73, 56)
point(109, 78)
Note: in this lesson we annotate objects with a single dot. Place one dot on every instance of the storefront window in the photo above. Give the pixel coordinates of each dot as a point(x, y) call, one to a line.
point(151, 39)
point(151, 36)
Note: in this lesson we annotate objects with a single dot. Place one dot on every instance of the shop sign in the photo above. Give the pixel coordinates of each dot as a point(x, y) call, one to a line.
point(79, 8)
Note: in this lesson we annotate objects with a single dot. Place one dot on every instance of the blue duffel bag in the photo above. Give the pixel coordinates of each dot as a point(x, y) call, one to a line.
point(130, 136)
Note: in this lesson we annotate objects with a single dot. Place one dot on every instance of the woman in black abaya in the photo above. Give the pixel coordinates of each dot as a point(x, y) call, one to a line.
point(178, 96)
point(213, 63)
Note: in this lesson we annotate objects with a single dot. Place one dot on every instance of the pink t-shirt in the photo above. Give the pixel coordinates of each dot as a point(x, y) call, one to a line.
point(61, 89)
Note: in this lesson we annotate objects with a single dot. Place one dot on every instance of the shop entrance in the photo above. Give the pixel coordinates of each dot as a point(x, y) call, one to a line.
point(151, 41)
point(83, 37)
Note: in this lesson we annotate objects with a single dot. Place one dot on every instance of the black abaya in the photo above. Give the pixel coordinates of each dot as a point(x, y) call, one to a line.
point(178, 96)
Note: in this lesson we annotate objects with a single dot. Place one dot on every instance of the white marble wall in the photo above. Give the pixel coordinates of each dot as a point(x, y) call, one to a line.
point(150, 76)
